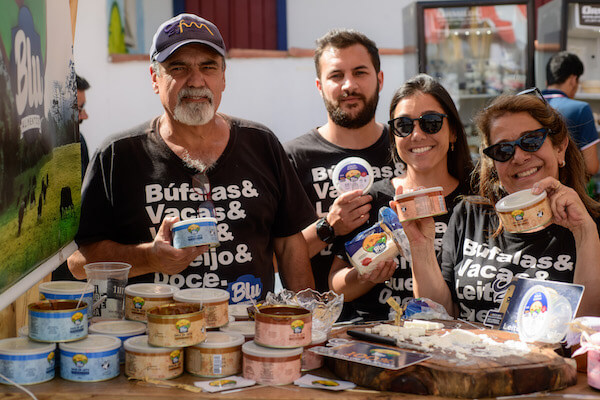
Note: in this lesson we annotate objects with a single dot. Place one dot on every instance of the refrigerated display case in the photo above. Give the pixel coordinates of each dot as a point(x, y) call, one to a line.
point(476, 50)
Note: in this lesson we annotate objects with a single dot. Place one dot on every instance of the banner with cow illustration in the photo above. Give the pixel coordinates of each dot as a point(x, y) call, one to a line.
point(40, 170)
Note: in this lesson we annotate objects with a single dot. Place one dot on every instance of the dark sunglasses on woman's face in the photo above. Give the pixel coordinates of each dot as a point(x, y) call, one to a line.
point(530, 141)
point(430, 123)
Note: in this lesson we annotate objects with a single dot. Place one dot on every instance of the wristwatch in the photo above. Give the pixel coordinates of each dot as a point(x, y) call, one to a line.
point(325, 231)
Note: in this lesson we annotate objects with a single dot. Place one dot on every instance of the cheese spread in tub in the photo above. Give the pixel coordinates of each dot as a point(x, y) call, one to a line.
point(145, 361)
point(195, 232)
point(283, 326)
point(370, 247)
point(68, 290)
point(93, 359)
point(215, 302)
point(26, 362)
point(523, 211)
point(219, 355)
point(119, 329)
point(176, 325)
point(353, 173)
point(271, 366)
point(141, 297)
point(57, 321)
point(420, 204)
point(543, 315)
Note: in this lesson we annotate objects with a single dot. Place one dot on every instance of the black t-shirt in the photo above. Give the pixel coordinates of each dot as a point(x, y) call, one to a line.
point(135, 181)
point(373, 304)
point(478, 267)
point(314, 158)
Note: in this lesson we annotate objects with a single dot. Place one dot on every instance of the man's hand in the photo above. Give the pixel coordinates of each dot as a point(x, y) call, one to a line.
point(163, 257)
point(349, 211)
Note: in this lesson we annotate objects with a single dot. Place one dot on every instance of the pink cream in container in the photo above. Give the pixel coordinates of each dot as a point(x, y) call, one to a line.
point(420, 204)
point(523, 211)
point(271, 366)
point(283, 326)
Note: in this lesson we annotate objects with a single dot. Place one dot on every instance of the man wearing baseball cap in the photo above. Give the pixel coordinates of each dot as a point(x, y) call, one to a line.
point(192, 162)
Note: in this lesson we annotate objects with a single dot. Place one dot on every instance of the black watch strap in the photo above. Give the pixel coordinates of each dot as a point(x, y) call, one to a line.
point(325, 231)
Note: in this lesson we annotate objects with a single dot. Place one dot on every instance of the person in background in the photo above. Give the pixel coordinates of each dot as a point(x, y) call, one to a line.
point(82, 86)
point(192, 162)
point(349, 79)
point(526, 145)
point(562, 77)
point(427, 134)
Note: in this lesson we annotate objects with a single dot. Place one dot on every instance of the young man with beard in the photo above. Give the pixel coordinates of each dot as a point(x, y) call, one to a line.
point(143, 181)
point(349, 80)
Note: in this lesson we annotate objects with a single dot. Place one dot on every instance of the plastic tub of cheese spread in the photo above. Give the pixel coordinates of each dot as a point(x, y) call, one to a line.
point(312, 360)
point(271, 366)
point(119, 329)
point(57, 321)
point(352, 173)
point(26, 362)
point(141, 297)
point(283, 326)
point(215, 302)
point(420, 204)
point(218, 356)
point(145, 361)
point(523, 211)
point(176, 325)
point(68, 290)
point(195, 232)
point(543, 315)
point(93, 359)
point(369, 247)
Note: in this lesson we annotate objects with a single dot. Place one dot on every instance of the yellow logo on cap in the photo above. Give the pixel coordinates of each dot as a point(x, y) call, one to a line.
point(183, 24)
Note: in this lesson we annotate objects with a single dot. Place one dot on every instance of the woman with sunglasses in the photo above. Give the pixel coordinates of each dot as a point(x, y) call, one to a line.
point(525, 145)
point(427, 135)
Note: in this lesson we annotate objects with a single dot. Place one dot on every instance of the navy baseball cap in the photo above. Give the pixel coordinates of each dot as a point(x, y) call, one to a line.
point(181, 30)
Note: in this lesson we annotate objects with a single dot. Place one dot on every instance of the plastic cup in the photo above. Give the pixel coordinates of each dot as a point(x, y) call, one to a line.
point(109, 280)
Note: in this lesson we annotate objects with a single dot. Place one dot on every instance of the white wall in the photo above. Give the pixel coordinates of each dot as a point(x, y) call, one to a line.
point(278, 92)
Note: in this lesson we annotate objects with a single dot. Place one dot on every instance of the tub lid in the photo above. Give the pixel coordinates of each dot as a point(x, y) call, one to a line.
point(353, 165)
point(543, 304)
point(24, 346)
point(201, 295)
point(92, 343)
point(118, 328)
point(218, 340)
point(65, 287)
point(140, 344)
point(150, 290)
point(520, 199)
point(253, 349)
point(419, 192)
point(239, 310)
point(246, 328)
point(194, 221)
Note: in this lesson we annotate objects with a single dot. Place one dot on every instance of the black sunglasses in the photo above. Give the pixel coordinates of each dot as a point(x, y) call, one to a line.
point(531, 142)
point(201, 185)
point(430, 123)
point(534, 92)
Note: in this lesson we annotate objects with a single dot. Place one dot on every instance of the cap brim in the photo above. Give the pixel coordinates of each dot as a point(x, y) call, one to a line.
point(166, 53)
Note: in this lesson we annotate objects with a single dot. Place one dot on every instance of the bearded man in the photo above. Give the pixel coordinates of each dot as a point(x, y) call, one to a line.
point(194, 162)
point(349, 79)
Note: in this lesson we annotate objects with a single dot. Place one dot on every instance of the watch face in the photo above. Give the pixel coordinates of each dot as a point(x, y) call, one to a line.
point(325, 231)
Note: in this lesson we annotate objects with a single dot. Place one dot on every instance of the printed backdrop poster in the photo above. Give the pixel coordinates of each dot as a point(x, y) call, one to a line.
point(40, 168)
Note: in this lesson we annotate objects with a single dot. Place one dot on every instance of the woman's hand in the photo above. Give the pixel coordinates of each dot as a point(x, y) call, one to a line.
point(567, 208)
point(382, 272)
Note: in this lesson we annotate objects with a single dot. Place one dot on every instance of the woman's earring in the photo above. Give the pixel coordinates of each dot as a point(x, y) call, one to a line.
point(562, 164)
point(452, 146)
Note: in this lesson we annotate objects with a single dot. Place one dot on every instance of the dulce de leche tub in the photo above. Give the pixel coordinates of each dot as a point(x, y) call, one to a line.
point(420, 204)
point(523, 211)
point(218, 356)
point(58, 321)
point(26, 362)
point(271, 366)
point(141, 297)
point(145, 361)
point(215, 302)
point(282, 326)
point(68, 290)
point(93, 359)
point(119, 329)
point(195, 232)
point(176, 325)
point(312, 360)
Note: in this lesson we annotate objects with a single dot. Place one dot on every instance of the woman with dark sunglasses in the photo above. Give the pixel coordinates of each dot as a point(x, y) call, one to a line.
point(525, 144)
point(427, 135)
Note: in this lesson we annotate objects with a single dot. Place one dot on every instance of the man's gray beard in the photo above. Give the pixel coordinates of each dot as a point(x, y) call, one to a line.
point(195, 163)
point(194, 113)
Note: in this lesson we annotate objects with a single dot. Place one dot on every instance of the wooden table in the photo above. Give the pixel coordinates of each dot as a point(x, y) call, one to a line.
point(120, 387)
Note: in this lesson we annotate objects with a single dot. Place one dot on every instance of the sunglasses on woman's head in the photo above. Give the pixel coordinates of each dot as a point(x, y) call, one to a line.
point(430, 123)
point(530, 142)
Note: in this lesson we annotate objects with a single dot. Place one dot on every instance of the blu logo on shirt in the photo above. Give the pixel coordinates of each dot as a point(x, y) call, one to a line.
point(246, 287)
